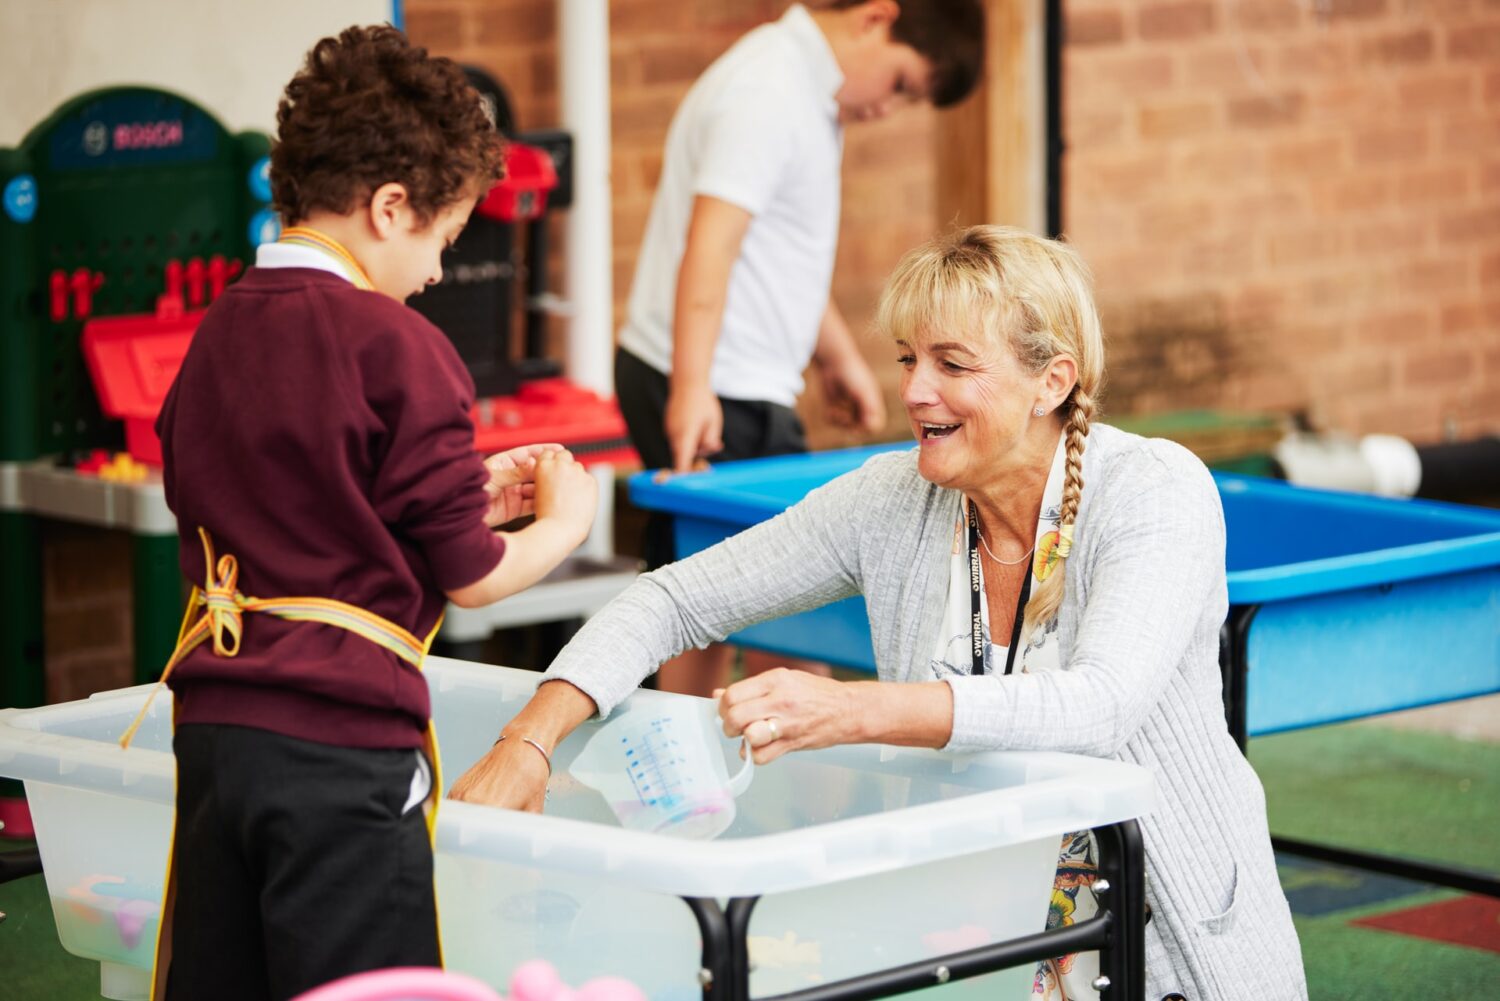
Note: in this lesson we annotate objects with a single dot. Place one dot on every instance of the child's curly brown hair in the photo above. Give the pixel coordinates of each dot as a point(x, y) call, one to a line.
point(369, 108)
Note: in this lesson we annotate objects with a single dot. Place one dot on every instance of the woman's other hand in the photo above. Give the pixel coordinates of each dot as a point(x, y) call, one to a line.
point(783, 710)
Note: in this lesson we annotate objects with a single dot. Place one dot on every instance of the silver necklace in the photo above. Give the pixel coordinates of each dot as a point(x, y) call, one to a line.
point(1004, 563)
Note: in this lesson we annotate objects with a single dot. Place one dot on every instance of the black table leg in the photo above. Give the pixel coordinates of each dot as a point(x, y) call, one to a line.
point(738, 916)
point(716, 973)
point(1122, 863)
point(1118, 932)
point(1234, 664)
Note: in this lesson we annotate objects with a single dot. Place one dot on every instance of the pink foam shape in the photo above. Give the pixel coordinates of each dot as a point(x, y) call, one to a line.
point(131, 918)
point(942, 943)
point(535, 980)
point(404, 983)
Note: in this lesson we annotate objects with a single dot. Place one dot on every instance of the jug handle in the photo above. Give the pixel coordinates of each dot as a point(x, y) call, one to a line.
point(741, 780)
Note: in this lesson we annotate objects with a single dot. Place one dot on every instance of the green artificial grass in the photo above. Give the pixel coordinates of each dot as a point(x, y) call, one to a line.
point(1423, 795)
point(1346, 962)
point(33, 966)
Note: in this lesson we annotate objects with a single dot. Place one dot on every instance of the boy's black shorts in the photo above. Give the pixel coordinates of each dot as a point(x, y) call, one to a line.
point(297, 863)
point(752, 429)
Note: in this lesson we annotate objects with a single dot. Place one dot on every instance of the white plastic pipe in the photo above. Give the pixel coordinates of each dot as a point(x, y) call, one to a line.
point(583, 37)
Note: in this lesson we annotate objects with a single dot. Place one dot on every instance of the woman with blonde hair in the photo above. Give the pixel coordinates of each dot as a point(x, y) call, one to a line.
point(1039, 581)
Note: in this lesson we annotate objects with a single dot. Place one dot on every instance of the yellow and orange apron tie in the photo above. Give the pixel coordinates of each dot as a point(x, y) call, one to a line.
point(305, 236)
point(223, 613)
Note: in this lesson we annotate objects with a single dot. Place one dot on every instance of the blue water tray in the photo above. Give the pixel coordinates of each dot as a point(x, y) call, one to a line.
point(1366, 604)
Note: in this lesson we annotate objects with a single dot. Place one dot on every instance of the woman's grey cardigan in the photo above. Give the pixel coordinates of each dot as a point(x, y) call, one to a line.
point(1139, 633)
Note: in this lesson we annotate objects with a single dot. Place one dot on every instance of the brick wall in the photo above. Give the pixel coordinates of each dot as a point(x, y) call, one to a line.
point(1289, 204)
point(86, 595)
point(1293, 204)
point(657, 50)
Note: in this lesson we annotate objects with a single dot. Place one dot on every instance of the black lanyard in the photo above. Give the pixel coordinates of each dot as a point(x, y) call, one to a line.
point(976, 588)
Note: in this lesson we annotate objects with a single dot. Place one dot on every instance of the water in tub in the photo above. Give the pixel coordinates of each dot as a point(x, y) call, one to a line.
point(797, 940)
point(108, 916)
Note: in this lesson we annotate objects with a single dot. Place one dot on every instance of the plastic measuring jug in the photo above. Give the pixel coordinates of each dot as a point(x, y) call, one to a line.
point(660, 766)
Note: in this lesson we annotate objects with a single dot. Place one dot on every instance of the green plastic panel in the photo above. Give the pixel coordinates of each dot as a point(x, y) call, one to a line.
point(122, 181)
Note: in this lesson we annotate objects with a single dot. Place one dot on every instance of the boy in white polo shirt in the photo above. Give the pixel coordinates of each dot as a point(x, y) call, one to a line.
point(731, 294)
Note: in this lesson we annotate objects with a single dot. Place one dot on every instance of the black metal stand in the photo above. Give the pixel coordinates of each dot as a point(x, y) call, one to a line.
point(1117, 932)
point(19, 864)
point(715, 975)
point(1234, 661)
point(1234, 664)
point(536, 287)
point(1423, 872)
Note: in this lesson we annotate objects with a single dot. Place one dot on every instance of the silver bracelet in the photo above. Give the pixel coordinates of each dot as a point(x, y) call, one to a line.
point(540, 750)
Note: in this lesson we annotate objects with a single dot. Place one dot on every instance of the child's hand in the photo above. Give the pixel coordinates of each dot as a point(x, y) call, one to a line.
point(566, 493)
point(511, 487)
point(694, 426)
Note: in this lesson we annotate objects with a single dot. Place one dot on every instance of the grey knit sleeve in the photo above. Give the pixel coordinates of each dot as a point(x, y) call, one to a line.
point(1144, 600)
point(803, 558)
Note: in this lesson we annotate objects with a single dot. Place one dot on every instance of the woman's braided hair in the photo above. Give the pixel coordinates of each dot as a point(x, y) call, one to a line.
point(1007, 285)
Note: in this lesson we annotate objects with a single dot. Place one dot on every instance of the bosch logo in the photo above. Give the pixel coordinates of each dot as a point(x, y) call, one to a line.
point(147, 135)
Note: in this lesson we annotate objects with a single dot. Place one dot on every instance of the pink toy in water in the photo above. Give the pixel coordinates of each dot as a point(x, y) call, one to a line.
point(532, 981)
point(538, 981)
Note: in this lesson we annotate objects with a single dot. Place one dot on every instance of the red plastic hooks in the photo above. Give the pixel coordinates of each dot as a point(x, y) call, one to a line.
point(83, 283)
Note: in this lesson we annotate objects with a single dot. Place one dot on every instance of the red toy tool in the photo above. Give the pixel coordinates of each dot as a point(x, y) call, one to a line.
point(83, 283)
point(220, 272)
point(195, 277)
point(554, 410)
point(521, 194)
point(132, 361)
point(57, 296)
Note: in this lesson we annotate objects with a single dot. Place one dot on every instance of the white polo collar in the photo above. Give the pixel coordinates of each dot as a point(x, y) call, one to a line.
point(290, 255)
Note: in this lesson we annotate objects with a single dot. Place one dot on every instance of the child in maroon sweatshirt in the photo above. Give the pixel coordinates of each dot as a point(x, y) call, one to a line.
point(319, 435)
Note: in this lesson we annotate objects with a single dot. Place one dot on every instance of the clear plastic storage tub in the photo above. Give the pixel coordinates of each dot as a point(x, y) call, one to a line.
point(863, 857)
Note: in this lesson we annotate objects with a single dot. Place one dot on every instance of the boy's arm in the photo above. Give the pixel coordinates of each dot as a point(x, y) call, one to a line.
point(695, 419)
point(566, 496)
point(850, 389)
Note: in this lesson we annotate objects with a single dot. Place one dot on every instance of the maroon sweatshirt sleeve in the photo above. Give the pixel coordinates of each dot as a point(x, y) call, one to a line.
point(429, 481)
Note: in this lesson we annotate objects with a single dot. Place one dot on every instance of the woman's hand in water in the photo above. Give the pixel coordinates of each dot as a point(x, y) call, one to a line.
point(514, 774)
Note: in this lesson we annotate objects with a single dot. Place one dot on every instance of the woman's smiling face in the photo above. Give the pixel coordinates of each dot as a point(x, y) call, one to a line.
point(969, 404)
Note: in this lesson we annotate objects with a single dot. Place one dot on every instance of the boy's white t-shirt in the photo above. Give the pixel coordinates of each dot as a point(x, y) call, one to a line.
point(759, 129)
